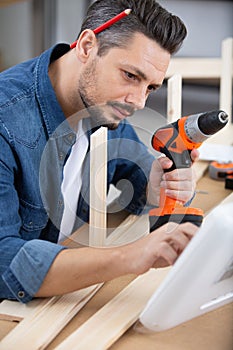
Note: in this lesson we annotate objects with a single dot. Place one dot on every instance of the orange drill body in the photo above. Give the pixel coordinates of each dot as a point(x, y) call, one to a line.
point(176, 141)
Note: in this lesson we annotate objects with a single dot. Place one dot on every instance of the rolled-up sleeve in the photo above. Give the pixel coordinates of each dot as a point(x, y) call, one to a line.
point(28, 268)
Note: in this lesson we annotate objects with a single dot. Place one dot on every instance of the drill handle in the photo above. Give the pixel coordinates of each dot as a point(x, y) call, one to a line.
point(180, 158)
point(168, 141)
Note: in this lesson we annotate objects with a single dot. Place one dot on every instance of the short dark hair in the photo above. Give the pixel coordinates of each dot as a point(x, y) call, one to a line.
point(147, 17)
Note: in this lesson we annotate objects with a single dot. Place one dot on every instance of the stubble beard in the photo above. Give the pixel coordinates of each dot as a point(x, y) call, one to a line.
point(96, 113)
point(99, 114)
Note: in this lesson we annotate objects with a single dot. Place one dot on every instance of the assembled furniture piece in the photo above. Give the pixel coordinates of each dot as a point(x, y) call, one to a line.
point(206, 69)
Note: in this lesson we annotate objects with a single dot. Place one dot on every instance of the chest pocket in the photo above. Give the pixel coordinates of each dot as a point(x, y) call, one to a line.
point(34, 219)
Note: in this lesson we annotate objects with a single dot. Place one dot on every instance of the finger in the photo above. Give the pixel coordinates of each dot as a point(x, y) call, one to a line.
point(195, 154)
point(178, 242)
point(187, 228)
point(179, 175)
point(181, 190)
point(164, 162)
point(167, 256)
point(185, 185)
point(181, 237)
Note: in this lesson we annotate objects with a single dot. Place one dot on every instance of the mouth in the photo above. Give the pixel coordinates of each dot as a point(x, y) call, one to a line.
point(121, 113)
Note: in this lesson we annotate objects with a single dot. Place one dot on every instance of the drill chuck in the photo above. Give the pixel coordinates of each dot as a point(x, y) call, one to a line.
point(200, 127)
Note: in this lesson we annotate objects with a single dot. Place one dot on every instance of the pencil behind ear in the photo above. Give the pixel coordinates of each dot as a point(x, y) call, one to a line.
point(107, 24)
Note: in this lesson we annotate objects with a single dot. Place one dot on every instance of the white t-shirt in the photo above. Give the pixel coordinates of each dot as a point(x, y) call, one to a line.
point(72, 181)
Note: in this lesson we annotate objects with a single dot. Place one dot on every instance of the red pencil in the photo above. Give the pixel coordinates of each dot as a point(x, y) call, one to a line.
point(107, 24)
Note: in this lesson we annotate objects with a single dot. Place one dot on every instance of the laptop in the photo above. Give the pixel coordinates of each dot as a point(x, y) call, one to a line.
point(201, 280)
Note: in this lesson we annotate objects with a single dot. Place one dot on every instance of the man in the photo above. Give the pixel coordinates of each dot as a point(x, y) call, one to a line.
point(101, 81)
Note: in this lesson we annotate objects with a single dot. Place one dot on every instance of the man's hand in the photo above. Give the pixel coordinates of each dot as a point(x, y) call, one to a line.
point(179, 184)
point(161, 248)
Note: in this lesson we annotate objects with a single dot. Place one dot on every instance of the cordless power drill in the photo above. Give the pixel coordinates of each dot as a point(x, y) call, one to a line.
point(176, 141)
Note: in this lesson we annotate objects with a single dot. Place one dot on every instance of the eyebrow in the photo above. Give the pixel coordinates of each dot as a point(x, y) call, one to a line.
point(142, 75)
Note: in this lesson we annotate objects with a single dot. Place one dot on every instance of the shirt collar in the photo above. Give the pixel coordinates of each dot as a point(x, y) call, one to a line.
point(50, 108)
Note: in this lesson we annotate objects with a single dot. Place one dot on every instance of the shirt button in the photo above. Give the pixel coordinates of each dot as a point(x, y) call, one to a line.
point(21, 294)
point(61, 156)
point(70, 137)
point(60, 203)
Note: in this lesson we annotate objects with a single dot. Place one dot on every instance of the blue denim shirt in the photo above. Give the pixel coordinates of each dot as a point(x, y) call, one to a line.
point(33, 151)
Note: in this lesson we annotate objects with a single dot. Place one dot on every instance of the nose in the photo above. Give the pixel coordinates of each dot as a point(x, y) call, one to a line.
point(136, 97)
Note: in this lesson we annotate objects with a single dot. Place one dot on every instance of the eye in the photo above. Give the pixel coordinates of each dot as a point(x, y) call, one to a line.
point(152, 88)
point(130, 76)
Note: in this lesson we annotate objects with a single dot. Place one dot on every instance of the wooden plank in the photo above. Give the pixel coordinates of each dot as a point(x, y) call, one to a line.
point(110, 322)
point(98, 188)
point(16, 311)
point(174, 98)
point(225, 102)
point(38, 329)
point(132, 228)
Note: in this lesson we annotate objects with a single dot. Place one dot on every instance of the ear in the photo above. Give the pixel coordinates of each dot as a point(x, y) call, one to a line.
point(86, 44)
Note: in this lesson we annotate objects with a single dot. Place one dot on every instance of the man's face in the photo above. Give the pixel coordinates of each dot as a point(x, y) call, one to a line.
point(118, 83)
